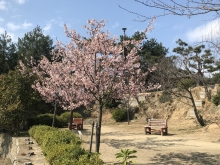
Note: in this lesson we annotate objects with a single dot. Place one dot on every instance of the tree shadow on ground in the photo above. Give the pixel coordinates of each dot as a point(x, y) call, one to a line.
point(197, 158)
point(149, 143)
point(6, 144)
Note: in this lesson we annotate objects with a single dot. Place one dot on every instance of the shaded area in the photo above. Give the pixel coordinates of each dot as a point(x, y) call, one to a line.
point(5, 161)
point(197, 158)
point(149, 143)
point(6, 142)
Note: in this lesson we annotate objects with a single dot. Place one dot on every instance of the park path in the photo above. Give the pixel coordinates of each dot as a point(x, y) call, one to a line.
point(176, 148)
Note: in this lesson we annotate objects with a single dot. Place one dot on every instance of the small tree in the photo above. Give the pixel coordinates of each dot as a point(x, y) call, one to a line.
point(99, 71)
point(178, 82)
point(197, 62)
point(125, 155)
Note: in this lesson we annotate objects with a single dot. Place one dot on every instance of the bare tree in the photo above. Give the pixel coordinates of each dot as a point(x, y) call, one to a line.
point(187, 8)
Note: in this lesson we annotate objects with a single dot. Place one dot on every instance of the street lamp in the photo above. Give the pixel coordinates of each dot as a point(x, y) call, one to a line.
point(128, 99)
point(124, 29)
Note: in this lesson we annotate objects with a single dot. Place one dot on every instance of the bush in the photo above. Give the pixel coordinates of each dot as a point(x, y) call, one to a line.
point(62, 147)
point(216, 98)
point(39, 131)
point(119, 114)
point(47, 119)
point(165, 97)
point(65, 117)
point(112, 103)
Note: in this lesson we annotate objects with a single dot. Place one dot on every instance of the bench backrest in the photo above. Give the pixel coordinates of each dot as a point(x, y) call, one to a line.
point(78, 120)
point(157, 122)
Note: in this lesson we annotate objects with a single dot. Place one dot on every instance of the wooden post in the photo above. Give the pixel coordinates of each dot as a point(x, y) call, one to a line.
point(90, 148)
point(71, 120)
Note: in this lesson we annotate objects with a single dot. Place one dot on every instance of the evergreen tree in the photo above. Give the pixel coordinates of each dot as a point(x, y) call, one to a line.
point(34, 44)
point(8, 56)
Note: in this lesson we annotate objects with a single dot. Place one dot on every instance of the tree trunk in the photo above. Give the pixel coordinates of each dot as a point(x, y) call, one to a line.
point(198, 117)
point(54, 114)
point(208, 94)
point(128, 107)
point(71, 120)
point(98, 127)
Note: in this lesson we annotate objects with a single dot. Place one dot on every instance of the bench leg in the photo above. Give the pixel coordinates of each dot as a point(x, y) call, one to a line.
point(163, 131)
point(79, 127)
point(147, 130)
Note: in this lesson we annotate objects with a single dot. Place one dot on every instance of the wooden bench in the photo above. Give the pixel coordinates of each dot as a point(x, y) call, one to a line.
point(77, 123)
point(156, 125)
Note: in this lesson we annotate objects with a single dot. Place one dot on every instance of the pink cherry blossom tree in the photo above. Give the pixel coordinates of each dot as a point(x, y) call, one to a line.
point(100, 70)
point(55, 85)
point(91, 69)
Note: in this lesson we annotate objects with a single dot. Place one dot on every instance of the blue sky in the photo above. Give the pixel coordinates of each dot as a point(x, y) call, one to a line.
point(20, 16)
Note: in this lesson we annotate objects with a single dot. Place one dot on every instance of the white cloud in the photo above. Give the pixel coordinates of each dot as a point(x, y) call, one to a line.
point(47, 27)
point(116, 25)
point(208, 31)
point(3, 5)
point(26, 25)
point(15, 16)
point(14, 27)
point(21, 1)
point(2, 30)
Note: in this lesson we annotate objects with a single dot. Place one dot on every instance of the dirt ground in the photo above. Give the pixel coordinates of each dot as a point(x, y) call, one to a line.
point(185, 144)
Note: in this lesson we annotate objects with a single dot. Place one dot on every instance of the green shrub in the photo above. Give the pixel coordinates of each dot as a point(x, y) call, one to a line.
point(90, 158)
point(67, 154)
point(165, 97)
point(65, 117)
point(39, 131)
point(119, 114)
point(112, 103)
point(60, 137)
point(62, 147)
point(45, 119)
point(216, 98)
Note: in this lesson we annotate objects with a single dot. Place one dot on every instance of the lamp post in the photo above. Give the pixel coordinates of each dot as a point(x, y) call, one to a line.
point(127, 99)
point(124, 29)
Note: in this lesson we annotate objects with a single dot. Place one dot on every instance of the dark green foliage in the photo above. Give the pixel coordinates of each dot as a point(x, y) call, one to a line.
point(215, 78)
point(151, 51)
point(34, 44)
point(62, 147)
point(119, 114)
point(18, 101)
point(112, 103)
point(45, 119)
point(197, 61)
point(186, 83)
point(216, 98)
point(165, 97)
point(8, 56)
point(65, 117)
